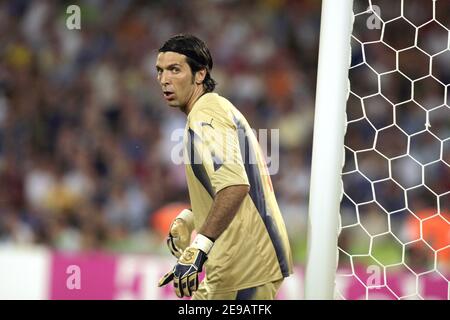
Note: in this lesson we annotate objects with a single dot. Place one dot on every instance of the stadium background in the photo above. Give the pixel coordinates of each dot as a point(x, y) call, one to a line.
point(85, 134)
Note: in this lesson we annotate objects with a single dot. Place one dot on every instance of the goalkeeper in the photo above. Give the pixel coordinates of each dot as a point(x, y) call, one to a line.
point(241, 238)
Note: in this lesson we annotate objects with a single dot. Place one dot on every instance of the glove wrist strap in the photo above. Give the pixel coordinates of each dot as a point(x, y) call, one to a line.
point(203, 243)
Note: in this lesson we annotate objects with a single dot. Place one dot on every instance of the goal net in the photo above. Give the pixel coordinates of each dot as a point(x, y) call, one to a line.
point(394, 240)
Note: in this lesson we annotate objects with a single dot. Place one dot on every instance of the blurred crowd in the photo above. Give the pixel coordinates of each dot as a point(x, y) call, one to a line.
point(86, 138)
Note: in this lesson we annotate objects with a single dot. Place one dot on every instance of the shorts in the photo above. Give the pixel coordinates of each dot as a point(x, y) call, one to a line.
point(266, 291)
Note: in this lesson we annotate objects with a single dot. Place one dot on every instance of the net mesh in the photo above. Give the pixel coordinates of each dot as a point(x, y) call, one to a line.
point(395, 237)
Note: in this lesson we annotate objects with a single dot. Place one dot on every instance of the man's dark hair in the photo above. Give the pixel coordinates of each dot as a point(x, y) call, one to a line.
point(197, 55)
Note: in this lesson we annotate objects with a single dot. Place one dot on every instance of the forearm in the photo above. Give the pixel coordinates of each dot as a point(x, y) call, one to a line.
point(224, 208)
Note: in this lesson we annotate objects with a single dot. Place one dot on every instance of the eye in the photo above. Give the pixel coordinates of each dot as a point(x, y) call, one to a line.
point(175, 70)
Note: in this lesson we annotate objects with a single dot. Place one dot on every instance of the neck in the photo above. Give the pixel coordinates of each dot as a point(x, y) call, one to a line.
point(198, 92)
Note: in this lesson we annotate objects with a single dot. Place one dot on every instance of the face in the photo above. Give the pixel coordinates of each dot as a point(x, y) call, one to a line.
point(180, 87)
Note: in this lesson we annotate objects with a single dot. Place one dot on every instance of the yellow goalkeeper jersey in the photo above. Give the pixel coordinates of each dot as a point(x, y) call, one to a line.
point(221, 150)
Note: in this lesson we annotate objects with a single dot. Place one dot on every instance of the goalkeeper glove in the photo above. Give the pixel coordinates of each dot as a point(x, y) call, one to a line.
point(185, 273)
point(180, 232)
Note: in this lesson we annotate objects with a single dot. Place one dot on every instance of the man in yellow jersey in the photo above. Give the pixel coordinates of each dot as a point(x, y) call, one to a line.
point(241, 236)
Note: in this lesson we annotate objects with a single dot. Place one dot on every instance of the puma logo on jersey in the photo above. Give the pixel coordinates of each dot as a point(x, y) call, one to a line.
point(207, 124)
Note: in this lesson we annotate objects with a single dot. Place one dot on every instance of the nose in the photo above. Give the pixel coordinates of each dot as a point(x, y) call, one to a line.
point(163, 78)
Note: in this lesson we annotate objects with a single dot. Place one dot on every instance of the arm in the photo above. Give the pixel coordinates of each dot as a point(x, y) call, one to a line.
point(225, 206)
point(185, 274)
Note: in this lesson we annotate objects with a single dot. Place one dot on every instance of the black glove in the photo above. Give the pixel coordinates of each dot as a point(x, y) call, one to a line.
point(185, 273)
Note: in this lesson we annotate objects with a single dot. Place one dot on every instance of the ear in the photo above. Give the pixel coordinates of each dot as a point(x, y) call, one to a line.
point(200, 76)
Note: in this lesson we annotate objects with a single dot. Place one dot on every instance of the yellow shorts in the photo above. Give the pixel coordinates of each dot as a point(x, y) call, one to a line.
point(266, 291)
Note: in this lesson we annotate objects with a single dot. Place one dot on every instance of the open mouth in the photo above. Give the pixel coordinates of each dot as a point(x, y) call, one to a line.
point(168, 95)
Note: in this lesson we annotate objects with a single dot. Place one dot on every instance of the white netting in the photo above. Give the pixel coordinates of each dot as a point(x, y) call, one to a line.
point(395, 237)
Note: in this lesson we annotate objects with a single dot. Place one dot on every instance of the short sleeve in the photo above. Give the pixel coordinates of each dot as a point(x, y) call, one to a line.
point(216, 144)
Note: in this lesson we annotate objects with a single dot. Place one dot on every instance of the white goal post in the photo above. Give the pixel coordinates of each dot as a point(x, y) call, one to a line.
point(328, 148)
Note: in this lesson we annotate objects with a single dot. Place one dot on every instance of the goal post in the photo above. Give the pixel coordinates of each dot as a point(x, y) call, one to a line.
point(328, 148)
